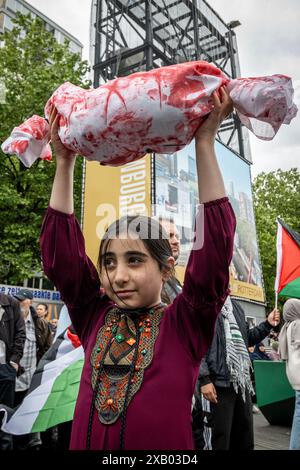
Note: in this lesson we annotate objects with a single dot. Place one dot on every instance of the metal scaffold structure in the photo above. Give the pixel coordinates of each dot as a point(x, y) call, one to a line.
point(138, 35)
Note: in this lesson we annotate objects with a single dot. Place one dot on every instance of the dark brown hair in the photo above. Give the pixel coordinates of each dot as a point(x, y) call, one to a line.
point(146, 229)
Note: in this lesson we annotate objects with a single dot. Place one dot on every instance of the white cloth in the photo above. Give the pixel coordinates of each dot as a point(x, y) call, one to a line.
point(289, 341)
point(293, 361)
point(156, 111)
point(63, 323)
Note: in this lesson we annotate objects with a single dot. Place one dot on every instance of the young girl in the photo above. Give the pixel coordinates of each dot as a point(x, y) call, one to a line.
point(141, 357)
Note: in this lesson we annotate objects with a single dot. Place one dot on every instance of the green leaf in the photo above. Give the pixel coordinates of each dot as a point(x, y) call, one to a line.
point(32, 66)
point(276, 194)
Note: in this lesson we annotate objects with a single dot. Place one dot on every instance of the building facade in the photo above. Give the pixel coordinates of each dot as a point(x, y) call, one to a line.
point(9, 9)
point(42, 288)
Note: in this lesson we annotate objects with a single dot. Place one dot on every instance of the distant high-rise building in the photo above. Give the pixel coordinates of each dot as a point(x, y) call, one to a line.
point(246, 209)
point(231, 189)
point(9, 8)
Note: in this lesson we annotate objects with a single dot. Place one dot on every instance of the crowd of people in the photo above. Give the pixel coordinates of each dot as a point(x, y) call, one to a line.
point(25, 336)
point(152, 344)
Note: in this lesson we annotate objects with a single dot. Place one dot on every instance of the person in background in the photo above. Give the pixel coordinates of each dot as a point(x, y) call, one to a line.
point(12, 340)
point(254, 407)
point(42, 311)
point(289, 350)
point(259, 353)
point(53, 325)
point(38, 341)
point(274, 353)
point(172, 287)
point(225, 377)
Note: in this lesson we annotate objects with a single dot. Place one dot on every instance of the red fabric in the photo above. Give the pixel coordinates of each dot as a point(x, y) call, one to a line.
point(290, 265)
point(73, 338)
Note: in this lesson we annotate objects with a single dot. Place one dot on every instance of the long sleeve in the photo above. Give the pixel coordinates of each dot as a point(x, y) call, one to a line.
point(204, 375)
point(206, 280)
point(68, 267)
point(258, 333)
point(20, 334)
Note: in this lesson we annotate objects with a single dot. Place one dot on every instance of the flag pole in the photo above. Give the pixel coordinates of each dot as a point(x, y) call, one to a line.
point(276, 303)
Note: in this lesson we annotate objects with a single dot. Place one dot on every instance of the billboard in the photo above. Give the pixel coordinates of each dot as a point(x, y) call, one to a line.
point(176, 194)
point(111, 192)
point(171, 182)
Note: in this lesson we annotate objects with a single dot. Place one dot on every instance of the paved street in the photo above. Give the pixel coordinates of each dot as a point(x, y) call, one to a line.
point(267, 437)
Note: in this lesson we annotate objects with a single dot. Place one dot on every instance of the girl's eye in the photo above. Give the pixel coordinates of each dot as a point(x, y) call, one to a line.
point(108, 263)
point(135, 260)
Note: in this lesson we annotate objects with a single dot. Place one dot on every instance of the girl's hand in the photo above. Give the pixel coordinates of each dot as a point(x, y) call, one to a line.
point(61, 152)
point(223, 106)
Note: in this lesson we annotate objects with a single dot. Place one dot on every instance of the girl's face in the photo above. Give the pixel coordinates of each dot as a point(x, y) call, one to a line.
point(129, 274)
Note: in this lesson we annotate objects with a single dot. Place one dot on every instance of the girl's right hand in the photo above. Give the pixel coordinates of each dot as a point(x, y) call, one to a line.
point(61, 152)
point(223, 106)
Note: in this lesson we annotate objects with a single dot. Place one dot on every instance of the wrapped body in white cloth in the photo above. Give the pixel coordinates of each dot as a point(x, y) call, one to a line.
point(156, 111)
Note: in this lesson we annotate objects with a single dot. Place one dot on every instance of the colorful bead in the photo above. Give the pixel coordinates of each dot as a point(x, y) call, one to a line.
point(119, 338)
point(109, 402)
point(144, 352)
point(131, 341)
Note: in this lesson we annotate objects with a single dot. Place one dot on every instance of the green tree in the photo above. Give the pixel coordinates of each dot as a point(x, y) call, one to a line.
point(276, 194)
point(33, 64)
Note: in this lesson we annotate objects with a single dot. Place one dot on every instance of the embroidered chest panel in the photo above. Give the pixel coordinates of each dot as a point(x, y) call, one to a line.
point(115, 346)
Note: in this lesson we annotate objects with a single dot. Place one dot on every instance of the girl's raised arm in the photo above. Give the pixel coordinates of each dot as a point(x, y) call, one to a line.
point(62, 189)
point(210, 181)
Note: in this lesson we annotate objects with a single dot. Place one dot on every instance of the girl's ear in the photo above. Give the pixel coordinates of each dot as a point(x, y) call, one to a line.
point(167, 272)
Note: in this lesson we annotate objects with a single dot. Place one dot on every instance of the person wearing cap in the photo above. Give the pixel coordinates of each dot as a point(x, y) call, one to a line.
point(12, 340)
point(38, 341)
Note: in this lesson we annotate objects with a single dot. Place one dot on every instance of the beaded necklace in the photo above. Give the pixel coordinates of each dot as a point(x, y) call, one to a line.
point(123, 350)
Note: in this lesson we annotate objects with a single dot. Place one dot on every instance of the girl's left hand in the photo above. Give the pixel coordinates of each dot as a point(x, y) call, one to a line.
point(223, 106)
point(61, 152)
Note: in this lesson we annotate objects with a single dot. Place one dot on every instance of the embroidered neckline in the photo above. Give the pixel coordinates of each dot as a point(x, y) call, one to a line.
point(120, 330)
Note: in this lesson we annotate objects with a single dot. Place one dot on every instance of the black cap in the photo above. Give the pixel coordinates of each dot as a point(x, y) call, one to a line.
point(24, 294)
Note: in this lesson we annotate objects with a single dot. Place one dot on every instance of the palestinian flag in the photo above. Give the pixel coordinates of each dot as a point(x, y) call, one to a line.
point(287, 282)
point(53, 390)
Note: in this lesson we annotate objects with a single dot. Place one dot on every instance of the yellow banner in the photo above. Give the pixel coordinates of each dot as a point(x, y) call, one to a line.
point(246, 291)
point(238, 288)
point(111, 192)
